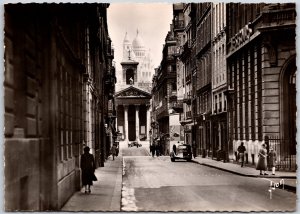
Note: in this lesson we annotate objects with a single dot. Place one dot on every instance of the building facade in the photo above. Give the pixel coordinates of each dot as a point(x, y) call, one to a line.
point(164, 97)
point(187, 56)
point(261, 60)
point(237, 91)
point(219, 82)
point(180, 37)
point(56, 57)
point(203, 88)
point(133, 96)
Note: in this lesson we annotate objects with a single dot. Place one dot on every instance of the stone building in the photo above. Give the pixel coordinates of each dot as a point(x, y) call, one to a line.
point(133, 92)
point(56, 56)
point(179, 35)
point(261, 60)
point(164, 97)
point(219, 82)
point(187, 56)
point(203, 88)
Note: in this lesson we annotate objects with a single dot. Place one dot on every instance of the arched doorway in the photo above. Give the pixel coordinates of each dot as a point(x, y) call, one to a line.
point(288, 108)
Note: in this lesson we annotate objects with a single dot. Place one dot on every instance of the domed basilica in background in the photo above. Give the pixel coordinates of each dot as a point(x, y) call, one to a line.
point(138, 52)
point(133, 90)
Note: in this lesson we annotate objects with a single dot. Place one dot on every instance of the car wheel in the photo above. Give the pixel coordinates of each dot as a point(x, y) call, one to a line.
point(173, 159)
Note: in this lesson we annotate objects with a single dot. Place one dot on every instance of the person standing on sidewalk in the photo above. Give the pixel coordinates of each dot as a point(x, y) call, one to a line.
point(117, 150)
point(87, 165)
point(152, 149)
point(272, 160)
point(174, 149)
point(262, 160)
point(241, 152)
point(113, 151)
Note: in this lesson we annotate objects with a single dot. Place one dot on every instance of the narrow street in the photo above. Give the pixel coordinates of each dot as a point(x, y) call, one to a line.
point(136, 181)
point(157, 184)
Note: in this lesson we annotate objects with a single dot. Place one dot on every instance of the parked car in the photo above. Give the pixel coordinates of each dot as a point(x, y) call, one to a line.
point(183, 151)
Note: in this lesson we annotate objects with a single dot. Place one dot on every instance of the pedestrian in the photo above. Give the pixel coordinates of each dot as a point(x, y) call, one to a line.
point(241, 153)
point(87, 165)
point(174, 149)
point(117, 150)
point(113, 151)
point(262, 160)
point(194, 149)
point(272, 160)
point(153, 150)
point(157, 149)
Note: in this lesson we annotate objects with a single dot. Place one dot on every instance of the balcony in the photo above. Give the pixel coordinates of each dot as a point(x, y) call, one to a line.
point(178, 25)
point(110, 52)
point(185, 50)
point(188, 78)
point(187, 99)
point(170, 56)
point(173, 94)
point(178, 106)
point(189, 114)
point(278, 17)
point(109, 81)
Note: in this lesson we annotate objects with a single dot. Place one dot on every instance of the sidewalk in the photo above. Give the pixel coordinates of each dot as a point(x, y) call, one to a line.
point(290, 178)
point(106, 192)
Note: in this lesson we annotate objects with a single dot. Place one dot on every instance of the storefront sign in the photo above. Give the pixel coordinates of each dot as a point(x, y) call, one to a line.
point(240, 38)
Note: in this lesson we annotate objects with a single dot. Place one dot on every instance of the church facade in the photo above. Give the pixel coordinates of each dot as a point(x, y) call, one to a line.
point(133, 96)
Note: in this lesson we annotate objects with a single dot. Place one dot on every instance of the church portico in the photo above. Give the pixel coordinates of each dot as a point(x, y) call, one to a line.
point(133, 122)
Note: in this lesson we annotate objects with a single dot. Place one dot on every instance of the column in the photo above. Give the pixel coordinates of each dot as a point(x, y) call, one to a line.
point(137, 123)
point(126, 122)
point(148, 122)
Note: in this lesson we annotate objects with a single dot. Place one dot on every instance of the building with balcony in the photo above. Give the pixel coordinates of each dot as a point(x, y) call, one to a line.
point(57, 57)
point(164, 97)
point(219, 81)
point(188, 59)
point(179, 35)
point(203, 86)
point(261, 60)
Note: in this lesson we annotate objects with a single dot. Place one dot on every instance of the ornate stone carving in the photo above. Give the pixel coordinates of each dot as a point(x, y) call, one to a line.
point(132, 93)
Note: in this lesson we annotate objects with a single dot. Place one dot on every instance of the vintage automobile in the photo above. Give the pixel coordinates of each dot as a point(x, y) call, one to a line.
point(183, 151)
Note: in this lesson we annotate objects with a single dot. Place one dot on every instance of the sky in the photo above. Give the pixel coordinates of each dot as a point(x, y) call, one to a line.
point(152, 21)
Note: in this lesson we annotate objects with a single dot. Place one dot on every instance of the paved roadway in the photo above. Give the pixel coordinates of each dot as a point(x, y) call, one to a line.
point(157, 184)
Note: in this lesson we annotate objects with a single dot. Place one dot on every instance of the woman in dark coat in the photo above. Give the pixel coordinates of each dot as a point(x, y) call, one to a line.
point(262, 160)
point(87, 164)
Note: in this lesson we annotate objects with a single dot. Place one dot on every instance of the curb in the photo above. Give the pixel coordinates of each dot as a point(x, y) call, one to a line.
point(286, 186)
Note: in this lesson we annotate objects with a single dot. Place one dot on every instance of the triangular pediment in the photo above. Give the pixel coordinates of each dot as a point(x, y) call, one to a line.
point(132, 92)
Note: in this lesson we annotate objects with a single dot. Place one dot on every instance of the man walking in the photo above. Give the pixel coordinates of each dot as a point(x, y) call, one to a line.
point(241, 152)
point(113, 151)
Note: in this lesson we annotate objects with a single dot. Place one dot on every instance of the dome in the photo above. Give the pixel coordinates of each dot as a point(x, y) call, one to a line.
point(138, 42)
